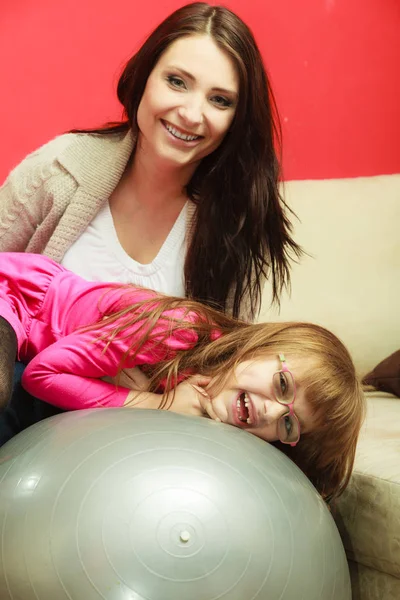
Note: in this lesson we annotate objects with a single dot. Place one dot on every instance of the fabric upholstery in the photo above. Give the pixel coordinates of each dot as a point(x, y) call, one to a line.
point(368, 513)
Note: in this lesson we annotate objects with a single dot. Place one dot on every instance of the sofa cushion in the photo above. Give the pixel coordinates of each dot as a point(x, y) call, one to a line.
point(349, 279)
point(368, 513)
point(386, 375)
point(370, 584)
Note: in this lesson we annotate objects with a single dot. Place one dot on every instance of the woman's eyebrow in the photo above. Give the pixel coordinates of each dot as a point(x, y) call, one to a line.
point(193, 78)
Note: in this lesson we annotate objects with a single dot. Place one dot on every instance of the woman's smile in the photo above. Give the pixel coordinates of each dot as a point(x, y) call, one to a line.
point(180, 135)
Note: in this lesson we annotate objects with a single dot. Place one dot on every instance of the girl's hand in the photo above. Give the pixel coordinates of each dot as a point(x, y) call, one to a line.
point(191, 398)
point(133, 379)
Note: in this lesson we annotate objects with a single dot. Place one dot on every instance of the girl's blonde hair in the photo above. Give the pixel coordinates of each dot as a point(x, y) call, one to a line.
point(330, 384)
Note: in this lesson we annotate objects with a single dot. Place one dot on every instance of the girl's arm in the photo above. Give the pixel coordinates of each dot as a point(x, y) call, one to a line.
point(68, 373)
point(188, 398)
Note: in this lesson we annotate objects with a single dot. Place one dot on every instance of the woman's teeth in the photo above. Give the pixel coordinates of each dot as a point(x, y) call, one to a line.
point(179, 135)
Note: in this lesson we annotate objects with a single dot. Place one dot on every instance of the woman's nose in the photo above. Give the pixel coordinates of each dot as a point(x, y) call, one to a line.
point(191, 112)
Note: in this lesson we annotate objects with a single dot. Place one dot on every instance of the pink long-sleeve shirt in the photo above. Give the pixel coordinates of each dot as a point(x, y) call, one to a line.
point(46, 305)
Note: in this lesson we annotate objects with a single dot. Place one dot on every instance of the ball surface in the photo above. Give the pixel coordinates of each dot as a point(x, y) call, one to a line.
point(119, 504)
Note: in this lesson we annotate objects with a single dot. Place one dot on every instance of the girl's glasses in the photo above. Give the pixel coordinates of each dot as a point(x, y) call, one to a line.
point(284, 389)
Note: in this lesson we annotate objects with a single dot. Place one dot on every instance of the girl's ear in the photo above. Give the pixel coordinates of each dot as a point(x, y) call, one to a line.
point(199, 389)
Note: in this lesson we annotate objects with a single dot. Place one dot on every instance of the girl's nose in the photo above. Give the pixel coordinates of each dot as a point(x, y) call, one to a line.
point(272, 411)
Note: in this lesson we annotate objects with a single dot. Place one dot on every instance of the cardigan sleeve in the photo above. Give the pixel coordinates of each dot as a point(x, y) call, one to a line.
point(67, 373)
point(32, 200)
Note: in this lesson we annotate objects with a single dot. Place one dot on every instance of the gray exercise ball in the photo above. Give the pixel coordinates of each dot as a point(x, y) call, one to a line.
point(119, 504)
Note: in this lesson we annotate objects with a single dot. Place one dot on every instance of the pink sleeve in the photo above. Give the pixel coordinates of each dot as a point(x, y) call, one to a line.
point(67, 373)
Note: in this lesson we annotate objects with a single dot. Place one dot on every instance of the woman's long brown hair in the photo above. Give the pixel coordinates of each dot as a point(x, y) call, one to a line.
point(242, 232)
point(327, 374)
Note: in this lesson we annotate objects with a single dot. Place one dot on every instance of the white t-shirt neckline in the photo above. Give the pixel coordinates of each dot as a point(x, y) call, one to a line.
point(97, 255)
point(174, 238)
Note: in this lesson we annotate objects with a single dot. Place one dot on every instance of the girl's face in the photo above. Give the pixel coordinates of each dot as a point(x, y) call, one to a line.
point(248, 400)
point(189, 102)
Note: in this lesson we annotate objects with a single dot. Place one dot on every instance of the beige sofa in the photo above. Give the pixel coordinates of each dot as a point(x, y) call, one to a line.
point(350, 283)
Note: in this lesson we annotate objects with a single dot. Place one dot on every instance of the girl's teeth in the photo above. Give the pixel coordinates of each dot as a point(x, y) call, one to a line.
point(247, 405)
point(179, 135)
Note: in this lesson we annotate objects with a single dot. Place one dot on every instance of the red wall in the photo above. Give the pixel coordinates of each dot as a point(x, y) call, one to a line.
point(334, 64)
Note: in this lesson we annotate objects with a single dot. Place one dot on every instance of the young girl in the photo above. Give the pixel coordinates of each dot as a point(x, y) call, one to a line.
point(293, 384)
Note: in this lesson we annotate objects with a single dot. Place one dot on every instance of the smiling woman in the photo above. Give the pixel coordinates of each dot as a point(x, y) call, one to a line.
point(191, 93)
point(182, 195)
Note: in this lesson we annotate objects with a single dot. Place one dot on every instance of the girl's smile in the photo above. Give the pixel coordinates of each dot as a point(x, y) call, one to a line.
point(243, 410)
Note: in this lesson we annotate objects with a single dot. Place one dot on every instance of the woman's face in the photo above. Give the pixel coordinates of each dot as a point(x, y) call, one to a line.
point(248, 399)
point(189, 102)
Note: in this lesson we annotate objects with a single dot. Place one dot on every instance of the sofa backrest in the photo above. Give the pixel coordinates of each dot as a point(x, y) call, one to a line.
point(350, 280)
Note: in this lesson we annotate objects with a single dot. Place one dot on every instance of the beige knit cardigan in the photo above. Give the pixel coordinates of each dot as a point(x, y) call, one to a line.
point(49, 199)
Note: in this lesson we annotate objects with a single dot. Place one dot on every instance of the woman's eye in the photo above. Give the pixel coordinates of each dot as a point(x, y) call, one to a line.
point(176, 81)
point(222, 102)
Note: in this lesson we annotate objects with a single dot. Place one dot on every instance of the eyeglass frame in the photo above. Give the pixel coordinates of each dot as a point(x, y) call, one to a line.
point(291, 413)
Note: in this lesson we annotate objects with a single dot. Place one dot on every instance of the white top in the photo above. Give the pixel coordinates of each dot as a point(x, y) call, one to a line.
point(97, 255)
